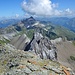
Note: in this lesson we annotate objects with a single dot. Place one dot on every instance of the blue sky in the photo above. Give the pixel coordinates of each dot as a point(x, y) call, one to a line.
point(10, 8)
point(63, 4)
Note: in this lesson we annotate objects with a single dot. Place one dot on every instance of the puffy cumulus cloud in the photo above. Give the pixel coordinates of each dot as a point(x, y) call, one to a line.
point(44, 8)
point(17, 15)
point(68, 11)
point(40, 7)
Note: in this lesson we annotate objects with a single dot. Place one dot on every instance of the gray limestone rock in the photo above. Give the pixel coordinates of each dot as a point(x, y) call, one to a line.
point(42, 46)
point(33, 67)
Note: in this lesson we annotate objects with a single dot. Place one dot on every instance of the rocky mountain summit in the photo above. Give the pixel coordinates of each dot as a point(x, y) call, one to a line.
point(19, 62)
point(42, 46)
point(28, 22)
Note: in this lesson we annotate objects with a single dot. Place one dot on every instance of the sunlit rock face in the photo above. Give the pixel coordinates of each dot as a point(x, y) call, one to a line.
point(42, 46)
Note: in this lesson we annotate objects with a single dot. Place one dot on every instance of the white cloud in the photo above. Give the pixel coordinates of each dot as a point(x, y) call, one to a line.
point(40, 7)
point(68, 11)
point(43, 8)
point(17, 15)
point(55, 5)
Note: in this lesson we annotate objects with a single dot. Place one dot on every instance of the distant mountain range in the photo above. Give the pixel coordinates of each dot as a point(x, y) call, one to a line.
point(56, 27)
point(64, 21)
point(61, 21)
point(7, 22)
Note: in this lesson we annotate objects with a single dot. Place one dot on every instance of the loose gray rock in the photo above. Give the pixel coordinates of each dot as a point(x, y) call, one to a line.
point(33, 67)
point(27, 70)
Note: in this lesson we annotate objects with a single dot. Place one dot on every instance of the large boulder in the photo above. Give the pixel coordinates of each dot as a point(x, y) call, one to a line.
point(42, 46)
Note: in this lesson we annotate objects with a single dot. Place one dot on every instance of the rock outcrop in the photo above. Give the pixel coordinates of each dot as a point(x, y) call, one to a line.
point(42, 46)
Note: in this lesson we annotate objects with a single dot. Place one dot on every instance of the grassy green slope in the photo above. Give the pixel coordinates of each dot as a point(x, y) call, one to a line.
point(61, 31)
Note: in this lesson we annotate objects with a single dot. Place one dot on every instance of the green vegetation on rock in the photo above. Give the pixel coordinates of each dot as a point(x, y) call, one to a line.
point(73, 43)
point(72, 58)
point(30, 33)
point(64, 32)
point(4, 41)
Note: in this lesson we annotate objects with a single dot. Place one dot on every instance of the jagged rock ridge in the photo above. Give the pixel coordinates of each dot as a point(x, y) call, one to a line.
point(42, 46)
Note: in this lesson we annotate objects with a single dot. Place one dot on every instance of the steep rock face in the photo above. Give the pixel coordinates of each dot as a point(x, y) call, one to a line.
point(42, 46)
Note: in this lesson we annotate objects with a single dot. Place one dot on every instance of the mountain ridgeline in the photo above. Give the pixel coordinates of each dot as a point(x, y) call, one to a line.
point(54, 28)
